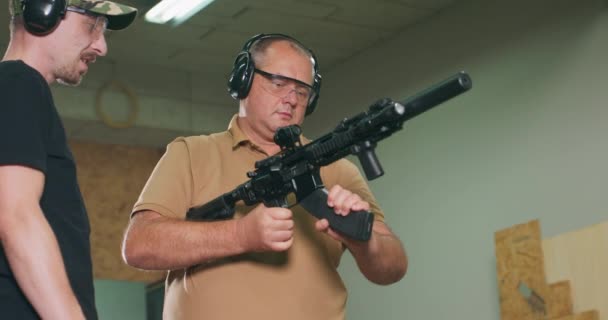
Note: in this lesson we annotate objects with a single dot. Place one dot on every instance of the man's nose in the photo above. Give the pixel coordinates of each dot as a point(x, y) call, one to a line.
point(291, 97)
point(100, 45)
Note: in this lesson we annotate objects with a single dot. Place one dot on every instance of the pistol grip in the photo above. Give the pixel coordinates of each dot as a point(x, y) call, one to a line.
point(356, 225)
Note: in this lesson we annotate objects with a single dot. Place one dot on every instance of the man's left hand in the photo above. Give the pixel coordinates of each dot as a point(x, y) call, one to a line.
point(343, 201)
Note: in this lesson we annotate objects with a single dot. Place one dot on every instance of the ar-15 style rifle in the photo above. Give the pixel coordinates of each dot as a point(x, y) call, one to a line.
point(296, 169)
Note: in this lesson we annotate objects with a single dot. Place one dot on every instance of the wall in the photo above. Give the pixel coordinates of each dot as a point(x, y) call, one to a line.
point(120, 300)
point(581, 257)
point(527, 142)
point(111, 178)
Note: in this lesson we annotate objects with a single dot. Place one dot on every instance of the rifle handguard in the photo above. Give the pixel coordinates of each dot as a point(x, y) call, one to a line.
point(218, 209)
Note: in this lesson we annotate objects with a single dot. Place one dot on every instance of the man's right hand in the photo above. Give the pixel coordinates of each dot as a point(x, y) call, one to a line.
point(266, 229)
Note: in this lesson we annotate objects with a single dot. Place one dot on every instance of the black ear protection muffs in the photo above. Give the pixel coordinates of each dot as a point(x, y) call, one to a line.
point(42, 16)
point(241, 76)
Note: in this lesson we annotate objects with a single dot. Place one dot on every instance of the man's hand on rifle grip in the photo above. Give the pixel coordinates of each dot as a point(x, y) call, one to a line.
point(343, 201)
point(266, 229)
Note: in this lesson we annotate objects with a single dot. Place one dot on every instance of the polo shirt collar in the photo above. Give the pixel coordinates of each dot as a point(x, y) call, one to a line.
point(239, 138)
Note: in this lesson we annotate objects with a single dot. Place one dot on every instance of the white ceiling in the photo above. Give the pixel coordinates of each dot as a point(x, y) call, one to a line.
point(334, 29)
point(205, 45)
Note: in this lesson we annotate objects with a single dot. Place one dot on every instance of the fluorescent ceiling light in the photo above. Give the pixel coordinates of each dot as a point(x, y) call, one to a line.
point(175, 11)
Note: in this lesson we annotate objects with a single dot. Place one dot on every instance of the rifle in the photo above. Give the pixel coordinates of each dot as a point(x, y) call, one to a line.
point(296, 168)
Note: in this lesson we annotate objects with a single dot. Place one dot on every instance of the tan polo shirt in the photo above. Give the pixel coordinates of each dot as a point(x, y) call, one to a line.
point(301, 283)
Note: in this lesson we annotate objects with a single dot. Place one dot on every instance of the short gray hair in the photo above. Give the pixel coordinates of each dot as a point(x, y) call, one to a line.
point(258, 49)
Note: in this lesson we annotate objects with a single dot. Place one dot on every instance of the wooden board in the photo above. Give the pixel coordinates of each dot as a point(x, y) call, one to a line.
point(524, 293)
point(581, 257)
point(111, 178)
point(561, 299)
point(588, 315)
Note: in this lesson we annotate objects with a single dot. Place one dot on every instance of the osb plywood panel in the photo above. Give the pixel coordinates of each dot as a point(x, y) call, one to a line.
point(588, 315)
point(520, 268)
point(582, 258)
point(111, 178)
point(561, 298)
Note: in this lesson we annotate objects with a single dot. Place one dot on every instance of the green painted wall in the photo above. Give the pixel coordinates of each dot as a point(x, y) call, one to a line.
point(529, 141)
point(120, 300)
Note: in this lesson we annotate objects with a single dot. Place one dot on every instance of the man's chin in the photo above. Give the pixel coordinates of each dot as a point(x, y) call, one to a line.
point(72, 82)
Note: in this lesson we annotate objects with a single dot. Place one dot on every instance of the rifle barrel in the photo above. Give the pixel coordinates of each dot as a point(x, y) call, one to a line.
point(436, 94)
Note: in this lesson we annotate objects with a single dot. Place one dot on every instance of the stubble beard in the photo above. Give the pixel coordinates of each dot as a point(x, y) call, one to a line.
point(68, 74)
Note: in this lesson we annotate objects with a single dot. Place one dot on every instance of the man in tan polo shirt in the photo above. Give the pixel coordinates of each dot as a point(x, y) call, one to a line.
point(265, 263)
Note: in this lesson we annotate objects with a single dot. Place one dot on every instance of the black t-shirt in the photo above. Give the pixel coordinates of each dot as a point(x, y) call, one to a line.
point(32, 135)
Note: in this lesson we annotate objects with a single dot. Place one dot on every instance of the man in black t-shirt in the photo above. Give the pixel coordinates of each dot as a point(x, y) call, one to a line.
point(45, 256)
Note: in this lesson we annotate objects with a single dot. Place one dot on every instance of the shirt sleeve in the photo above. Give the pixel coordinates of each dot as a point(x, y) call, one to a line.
point(22, 131)
point(168, 190)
